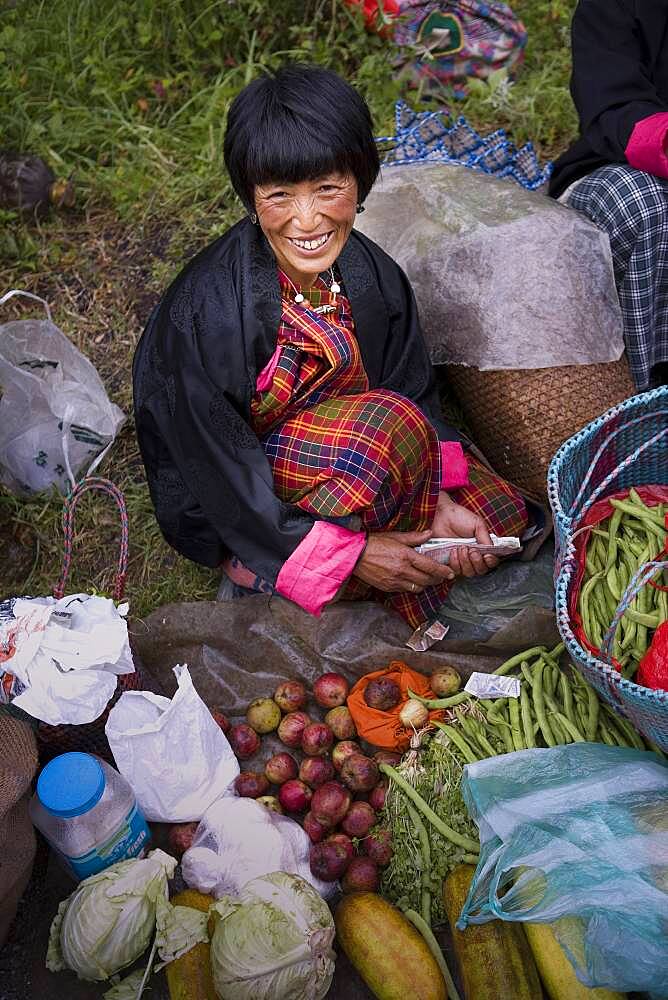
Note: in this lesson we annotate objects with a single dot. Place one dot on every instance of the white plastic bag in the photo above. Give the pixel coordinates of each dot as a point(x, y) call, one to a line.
point(172, 752)
point(238, 840)
point(55, 415)
point(60, 659)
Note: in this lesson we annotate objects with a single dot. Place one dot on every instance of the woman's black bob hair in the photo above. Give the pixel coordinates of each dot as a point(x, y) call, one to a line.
point(298, 125)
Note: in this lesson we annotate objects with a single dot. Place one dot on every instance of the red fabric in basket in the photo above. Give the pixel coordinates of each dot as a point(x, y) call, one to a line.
point(598, 512)
point(653, 668)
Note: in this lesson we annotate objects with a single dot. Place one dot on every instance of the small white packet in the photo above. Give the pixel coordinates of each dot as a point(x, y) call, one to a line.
point(492, 686)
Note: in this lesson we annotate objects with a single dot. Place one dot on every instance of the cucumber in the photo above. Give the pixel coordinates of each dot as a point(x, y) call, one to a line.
point(494, 959)
point(392, 958)
point(556, 971)
point(189, 977)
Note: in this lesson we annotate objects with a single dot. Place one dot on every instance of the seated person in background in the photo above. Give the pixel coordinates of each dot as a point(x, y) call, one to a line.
point(284, 399)
point(617, 171)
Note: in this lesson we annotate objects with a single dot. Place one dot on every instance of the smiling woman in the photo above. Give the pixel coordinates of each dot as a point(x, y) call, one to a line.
point(284, 398)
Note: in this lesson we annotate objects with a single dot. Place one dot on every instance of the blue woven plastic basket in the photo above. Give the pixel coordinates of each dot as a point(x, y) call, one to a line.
point(627, 446)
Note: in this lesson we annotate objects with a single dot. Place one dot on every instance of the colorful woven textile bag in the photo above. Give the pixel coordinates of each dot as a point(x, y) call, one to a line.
point(445, 43)
point(627, 446)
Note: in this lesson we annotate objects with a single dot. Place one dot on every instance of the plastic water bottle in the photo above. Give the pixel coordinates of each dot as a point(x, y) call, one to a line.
point(88, 813)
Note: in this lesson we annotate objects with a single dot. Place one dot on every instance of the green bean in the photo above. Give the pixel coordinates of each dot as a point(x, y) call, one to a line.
point(629, 669)
point(560, 734)
point(612, 580)
point(478, 730)
point(644, 515)
point(498, 707)
point(539, 706)
point(613, 531)
point(455, 699)
point(650, 621)
point(584, 604)
point(594, 709)
point(515, 661)
point(567, 697)
point(503, 729)
point(605, 736)
point(548, 679)
point(470, 734)
point(629, 731)
point(425, 851)
point(425, 930)
point(629, 627)
point(527, 719)
point(436, 821)
point(526, 673)
point(459, 741)
point(570, 728)
point(515, 726)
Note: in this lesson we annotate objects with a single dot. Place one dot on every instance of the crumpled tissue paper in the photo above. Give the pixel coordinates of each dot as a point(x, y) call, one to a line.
point(60, 659)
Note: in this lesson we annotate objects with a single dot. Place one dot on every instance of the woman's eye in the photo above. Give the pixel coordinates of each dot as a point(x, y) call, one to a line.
point(277, 195)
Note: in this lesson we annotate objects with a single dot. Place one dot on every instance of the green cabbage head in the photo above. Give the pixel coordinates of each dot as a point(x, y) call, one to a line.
point(109, 919)
point(273, 942)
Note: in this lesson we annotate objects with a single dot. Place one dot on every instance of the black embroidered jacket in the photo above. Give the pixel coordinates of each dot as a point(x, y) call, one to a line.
point(194, 376)
point(620, 76)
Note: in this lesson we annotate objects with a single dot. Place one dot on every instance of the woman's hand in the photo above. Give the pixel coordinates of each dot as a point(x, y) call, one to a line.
point(454, 521)
point(391, 564)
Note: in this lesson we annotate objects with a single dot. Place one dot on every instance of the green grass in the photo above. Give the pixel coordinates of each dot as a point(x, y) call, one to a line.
point(130, 98)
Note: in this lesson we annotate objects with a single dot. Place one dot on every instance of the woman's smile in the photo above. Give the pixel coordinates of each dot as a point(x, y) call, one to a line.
point(311, 243)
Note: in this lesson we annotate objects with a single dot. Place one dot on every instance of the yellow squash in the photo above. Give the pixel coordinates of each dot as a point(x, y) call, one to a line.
point(392, 958)
point(556, 971)
point(189, 977)
point(494, 959)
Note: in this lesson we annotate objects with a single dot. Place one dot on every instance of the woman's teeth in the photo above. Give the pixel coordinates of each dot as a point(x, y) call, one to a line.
point(311, 244)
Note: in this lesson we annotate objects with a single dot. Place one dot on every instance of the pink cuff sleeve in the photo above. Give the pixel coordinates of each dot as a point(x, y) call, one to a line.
point(319, 565)
point(454, 466)
point(266, 376)
point(645, 149)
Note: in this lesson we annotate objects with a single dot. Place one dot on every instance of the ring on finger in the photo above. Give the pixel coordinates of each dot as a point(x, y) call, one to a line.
point(412, 586)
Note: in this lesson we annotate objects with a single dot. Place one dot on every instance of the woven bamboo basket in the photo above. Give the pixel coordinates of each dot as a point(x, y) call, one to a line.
point(520, 418)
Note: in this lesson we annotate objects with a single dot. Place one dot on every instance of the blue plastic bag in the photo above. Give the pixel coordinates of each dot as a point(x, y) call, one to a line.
point(577, 836)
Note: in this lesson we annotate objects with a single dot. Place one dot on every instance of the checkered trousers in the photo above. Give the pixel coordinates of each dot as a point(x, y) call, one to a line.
point(632, 207)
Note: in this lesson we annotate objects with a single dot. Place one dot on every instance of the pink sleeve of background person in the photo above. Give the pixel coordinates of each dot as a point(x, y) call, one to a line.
point(454, 466)
point(320, 564)
point(646, 149)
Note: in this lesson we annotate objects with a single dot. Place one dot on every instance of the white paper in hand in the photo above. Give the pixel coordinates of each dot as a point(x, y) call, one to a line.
point(172, 752)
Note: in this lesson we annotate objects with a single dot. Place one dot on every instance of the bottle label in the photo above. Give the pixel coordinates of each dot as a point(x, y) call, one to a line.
point(129, 840)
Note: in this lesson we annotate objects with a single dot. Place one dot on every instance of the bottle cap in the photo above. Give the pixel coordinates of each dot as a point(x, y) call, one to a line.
point(71, 784)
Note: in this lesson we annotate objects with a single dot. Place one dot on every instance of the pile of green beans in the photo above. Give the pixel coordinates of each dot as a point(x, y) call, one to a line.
point(633, 535)
point(556, 706)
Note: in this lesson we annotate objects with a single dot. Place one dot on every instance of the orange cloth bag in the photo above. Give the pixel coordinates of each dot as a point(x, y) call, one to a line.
point(384, 729)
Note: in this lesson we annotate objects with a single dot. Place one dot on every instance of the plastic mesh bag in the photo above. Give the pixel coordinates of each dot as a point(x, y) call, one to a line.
point(577, 836)
point(55, 415)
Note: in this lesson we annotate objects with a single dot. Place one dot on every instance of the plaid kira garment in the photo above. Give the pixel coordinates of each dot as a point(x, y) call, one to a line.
point(337, 448)
point(632, 206)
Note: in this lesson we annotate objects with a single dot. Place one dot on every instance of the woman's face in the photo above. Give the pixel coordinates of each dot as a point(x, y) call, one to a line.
point(307, 223)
